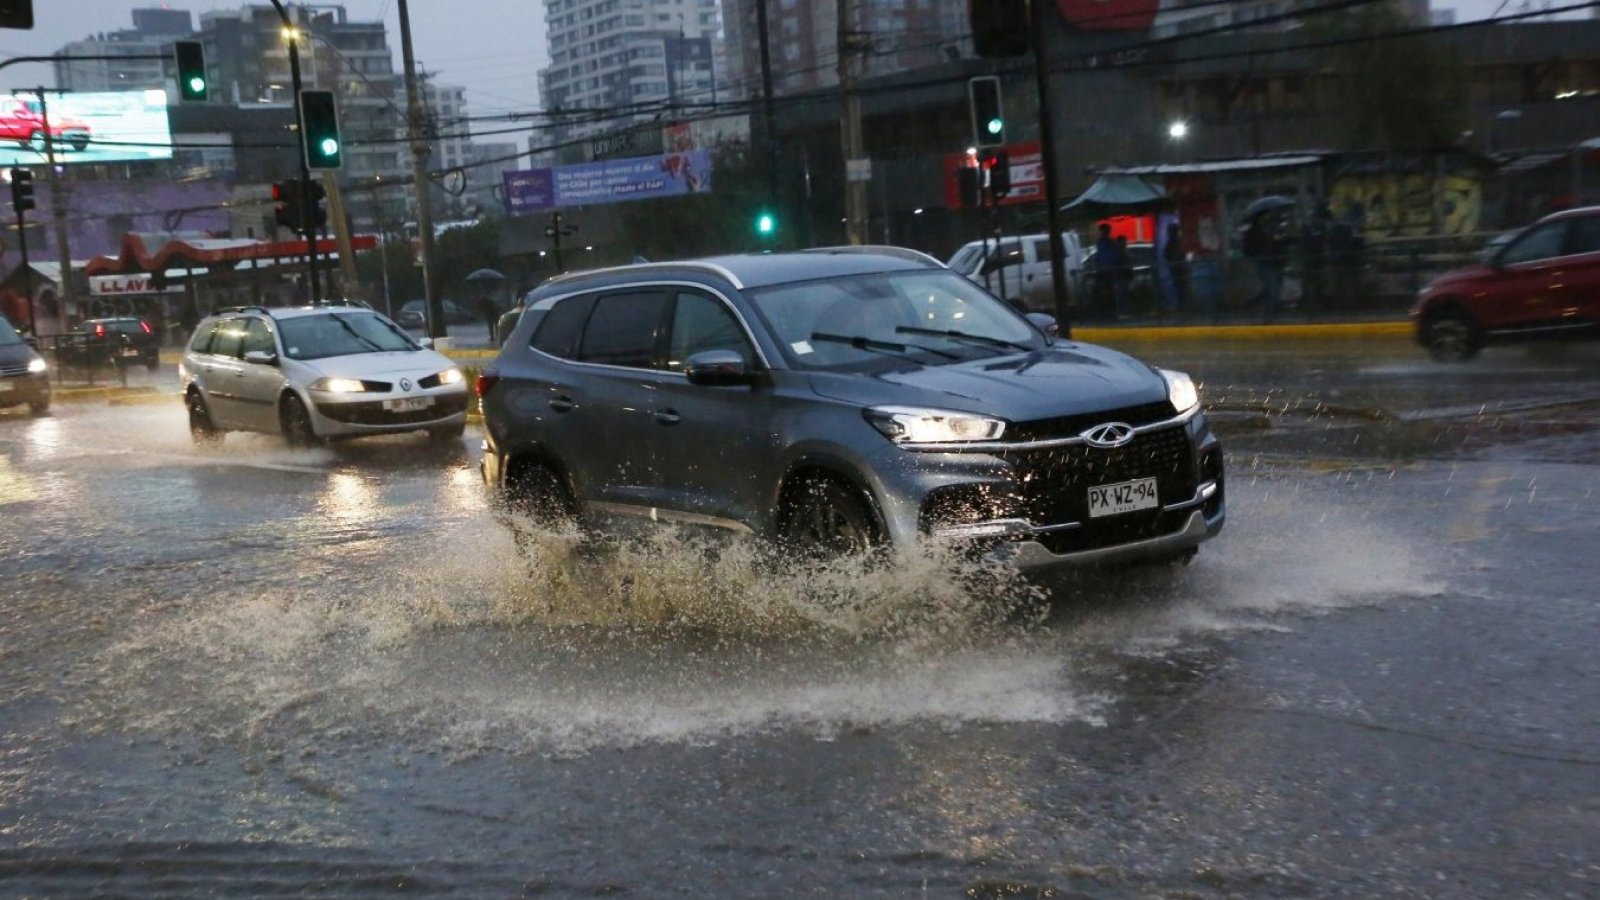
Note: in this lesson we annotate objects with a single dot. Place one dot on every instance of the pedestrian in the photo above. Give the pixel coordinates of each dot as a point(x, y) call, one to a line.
point(1105, 257)
point(1177, 261)
point(1264, 247)
point(1313, 255)
point(1122, 281)
point(490, 312)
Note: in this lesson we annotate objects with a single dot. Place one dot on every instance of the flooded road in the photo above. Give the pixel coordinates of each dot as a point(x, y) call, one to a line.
point(253, 671)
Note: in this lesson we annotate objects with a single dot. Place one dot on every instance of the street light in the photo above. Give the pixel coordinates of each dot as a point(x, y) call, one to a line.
point(1178, 130)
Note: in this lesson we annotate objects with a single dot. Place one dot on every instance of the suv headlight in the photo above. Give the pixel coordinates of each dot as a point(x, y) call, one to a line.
point(339, 385)
point(1181, 391)
point(910, 425)
point(37, 365)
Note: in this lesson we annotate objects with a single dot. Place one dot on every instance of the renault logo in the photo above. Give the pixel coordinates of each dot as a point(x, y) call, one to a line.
point(405, 384)
point(1108, 435)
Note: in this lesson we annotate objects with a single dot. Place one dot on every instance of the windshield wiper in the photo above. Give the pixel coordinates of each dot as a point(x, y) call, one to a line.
point(376, 347)
point(962, 336)
point(865, 343)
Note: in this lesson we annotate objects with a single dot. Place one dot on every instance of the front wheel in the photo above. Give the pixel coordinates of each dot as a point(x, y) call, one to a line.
point(1452, 337)
point(39, 407)
point(204, 432)
point(296, 423)
point(825, 519)
point(80, 143)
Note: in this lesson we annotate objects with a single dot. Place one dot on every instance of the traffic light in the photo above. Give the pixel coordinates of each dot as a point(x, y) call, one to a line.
point(286, 200)
point(766, 224)
point(22, 190)
point(988, 114)
point(16, 14)
point(192, 83)
point(319, 130)
point(969, 186)
point(319, 213)
point(999, 27)
point(998, 165)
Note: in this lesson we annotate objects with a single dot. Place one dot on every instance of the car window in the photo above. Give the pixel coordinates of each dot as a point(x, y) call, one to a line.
point(623, 329)
point(1006, 254)
point(340, 334)
point(701, 323)
point(201, 342)
point(1583, 235)
point(1539, 242)
point(561, 327)
point(966, 259)
point(228, 338)
point(257, 336)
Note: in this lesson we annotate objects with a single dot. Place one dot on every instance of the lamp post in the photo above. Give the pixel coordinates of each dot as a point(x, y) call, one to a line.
point(1177, 133)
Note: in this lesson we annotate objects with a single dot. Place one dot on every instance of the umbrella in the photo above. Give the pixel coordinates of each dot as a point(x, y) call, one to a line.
point(1266, 204)
point(485, 275)
point(1111, 194)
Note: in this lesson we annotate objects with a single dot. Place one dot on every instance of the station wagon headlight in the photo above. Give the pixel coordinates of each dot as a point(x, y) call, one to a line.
point(910, 425)
point(1181, 390)
point(339, 385)
point(451, 375)
point(36, 365)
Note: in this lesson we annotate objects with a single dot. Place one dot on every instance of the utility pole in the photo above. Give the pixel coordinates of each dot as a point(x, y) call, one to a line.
point(22, 245)
point(308, 198)
point(416, 133)
point(341, 233)
point(1047, 156)
point(769, 126)
point(850, 46)
point(58, 214)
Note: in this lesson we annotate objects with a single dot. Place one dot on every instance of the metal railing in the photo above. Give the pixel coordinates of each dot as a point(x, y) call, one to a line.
point(88, 359)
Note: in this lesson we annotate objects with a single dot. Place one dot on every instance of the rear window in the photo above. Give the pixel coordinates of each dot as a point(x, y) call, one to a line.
point(558, 333)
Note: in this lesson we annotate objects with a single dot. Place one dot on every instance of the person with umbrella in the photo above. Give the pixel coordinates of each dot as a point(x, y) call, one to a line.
point(488, 306)
point(1266, 248)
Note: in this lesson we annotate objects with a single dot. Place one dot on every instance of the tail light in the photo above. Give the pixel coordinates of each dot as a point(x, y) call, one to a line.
point(485, 383)
point(145, 325)
point(99, 331)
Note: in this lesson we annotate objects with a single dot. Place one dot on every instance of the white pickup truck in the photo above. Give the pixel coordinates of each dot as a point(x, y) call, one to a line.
point(1017, 267)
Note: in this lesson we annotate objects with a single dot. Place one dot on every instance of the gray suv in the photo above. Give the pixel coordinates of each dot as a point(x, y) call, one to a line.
point(838, 400)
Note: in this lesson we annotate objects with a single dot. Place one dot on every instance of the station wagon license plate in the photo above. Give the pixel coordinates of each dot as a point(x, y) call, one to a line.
point(1122, 497)
point(408, 404)
point(4, 386)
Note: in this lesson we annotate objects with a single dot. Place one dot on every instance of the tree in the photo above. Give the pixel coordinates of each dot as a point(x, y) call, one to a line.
point(1397, 94)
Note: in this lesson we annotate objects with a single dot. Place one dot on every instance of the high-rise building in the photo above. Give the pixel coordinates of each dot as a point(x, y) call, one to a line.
point(152, 35)
point(447, 113)
point(616, 61)
point(803, 39)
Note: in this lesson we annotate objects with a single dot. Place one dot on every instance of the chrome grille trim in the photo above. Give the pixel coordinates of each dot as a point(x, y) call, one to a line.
point(1076, 440)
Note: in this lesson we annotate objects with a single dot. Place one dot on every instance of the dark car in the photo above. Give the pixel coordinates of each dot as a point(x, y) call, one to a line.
point(413, 315)
point(121, 340)
point(834, 400)
point(24, 376)
point(1542, 282)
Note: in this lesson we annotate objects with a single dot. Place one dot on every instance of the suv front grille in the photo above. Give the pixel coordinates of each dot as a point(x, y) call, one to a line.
point(13, 370)
point(1074, 425)
point(1055, 484)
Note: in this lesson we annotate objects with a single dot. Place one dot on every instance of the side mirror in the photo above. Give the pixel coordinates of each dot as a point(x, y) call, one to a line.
point(262, 357)
point(1045, 323)
point(426, 343)
point(716, 368)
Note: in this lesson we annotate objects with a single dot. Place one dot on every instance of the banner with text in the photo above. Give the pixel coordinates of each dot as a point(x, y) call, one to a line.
point(608, 181)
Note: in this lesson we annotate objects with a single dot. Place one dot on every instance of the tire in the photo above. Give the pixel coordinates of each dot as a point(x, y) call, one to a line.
point(295, 421)
point(39, 407)
point(152, 364)
point(537, 492)
point(201, 429)
point(36, 141)
point(823, 518)
point(1451, 336)
point(80, 143)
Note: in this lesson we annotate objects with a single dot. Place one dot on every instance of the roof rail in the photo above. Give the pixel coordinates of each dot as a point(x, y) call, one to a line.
point(236, 309)
point(905, 253)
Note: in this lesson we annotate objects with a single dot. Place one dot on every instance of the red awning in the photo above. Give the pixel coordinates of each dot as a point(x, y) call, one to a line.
point(210, 254)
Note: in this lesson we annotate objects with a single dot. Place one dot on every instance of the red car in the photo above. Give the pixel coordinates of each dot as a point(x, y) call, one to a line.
point(20, 121)
point(1542, 282)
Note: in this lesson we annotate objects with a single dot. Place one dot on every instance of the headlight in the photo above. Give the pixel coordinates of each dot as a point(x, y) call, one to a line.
point(339, 385)
point(1180, 390)
point(36, 365)
point(908, 425)
point(450, 376)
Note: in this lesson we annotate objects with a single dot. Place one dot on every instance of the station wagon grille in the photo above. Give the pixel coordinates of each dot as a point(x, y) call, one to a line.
point(373, 413)
point(13, 370)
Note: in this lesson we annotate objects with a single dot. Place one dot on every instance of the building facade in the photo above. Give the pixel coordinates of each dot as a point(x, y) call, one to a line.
point(152, 35)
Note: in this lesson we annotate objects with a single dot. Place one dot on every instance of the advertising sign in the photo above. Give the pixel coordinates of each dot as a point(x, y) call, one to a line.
point(1110, 15)
point(126, 285)
point(97, 127)
point(1027, 175)
point(608, 181)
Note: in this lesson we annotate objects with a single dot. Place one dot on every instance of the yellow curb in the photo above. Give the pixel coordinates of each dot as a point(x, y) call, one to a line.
point(1332, 330)
point(145, 399)
point(75, 394)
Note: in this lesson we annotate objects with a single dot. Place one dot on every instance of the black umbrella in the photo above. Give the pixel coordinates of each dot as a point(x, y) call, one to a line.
point(1267, 204)
point(485, 275)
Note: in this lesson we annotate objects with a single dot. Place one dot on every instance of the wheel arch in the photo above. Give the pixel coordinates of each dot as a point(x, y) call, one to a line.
point(824, 465)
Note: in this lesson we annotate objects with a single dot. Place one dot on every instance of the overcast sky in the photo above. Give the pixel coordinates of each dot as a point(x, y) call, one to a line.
point(492, 47)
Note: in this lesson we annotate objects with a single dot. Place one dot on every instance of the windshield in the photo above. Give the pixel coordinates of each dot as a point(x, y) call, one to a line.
point(891, 320)
point(341, 334)
point(8, 335)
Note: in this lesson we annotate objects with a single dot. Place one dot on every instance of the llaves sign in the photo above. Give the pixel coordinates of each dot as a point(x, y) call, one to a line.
point(124, 285)
point(1110, 15)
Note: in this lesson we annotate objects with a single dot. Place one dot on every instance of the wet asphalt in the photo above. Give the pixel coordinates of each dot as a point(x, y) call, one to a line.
point(261, 672)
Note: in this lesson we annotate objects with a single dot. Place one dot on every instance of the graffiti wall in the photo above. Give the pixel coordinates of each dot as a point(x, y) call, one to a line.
point(1411, 204)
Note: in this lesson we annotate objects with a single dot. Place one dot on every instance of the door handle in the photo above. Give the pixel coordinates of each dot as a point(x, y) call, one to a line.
point(562, 403)
point(667, 417)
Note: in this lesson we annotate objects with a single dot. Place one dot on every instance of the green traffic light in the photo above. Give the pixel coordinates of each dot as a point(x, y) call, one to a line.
point(196, 85)
point(996, 125)
point(766, 224)
point(330, 147)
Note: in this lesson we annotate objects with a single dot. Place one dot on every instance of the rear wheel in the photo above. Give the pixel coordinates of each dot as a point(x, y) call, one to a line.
point(296, 423)
point(1452, 337)
point(536, 491)
point(80, 143)
point(204, 432)
point(824, 518)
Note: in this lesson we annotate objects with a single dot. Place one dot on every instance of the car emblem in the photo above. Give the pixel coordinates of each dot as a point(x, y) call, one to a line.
point(1108, 435)
point(405, 384)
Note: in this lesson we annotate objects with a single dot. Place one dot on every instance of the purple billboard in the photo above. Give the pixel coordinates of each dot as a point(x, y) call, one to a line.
point(608, 181)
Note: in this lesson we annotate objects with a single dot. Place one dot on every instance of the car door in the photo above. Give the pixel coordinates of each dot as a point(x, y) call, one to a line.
point(1579, 292)
point(711, 446)
point(218, 373)
point(258, 384)
point(1522, 292)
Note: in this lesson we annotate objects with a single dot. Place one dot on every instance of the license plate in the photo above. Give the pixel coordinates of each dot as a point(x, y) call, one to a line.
point(4, 386)
point(130, 353)
point(408, 404)
point(1122, 497)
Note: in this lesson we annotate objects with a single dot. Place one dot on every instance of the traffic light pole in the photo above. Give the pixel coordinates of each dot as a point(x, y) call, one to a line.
point(58, 213)
point(27, 271)
point(419, 177)
point(308, 199)
point(1047, 156)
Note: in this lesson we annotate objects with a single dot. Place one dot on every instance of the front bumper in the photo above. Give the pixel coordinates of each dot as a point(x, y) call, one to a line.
point(19, 389)
point(337, 414)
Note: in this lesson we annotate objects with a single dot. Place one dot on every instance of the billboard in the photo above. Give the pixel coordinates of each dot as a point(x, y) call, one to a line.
point(608, 181)
point(94, 127)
